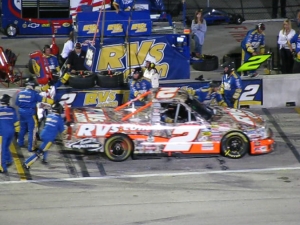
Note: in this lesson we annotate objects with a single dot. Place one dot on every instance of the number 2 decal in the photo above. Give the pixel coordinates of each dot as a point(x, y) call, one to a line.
point(166, 93)
point(249, 92)
point(67, 98)
point(253, 62)
point(182, 143)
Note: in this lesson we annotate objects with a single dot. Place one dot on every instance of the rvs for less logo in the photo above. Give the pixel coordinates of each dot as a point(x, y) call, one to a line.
point(116, 57)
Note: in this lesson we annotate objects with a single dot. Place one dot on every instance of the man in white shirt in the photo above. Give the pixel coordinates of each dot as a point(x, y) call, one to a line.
point(68, 47)
point(150, 71)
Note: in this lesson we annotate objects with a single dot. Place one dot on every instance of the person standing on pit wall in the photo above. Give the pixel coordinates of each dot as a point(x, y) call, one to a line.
point(9, 127)
point(76, 59)
point(123, 5)
point(231, 86)
point(199, 29)
point(27, 102)
point(275, 8)
point(52, 59)
point(285, 46)
point(151, 72)
point(68, 47)
point(54, 125)
point(138, 85)
point(254, 39)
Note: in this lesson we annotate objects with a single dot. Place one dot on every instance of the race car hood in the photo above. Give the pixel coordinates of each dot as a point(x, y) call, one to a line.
point(241, 119)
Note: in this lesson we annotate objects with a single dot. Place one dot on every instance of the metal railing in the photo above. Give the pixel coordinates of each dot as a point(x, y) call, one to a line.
point(249, 9)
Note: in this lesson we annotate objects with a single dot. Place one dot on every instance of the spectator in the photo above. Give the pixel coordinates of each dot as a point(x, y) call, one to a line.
point(76, 59)
point(275, 8)
point(68, 47)
point(199, 29)
point(286, 48)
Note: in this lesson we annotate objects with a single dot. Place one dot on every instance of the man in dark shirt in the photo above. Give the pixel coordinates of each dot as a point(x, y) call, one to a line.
point(76, 59)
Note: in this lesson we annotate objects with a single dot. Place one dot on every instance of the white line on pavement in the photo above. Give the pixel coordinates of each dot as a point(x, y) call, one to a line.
point(152, 175)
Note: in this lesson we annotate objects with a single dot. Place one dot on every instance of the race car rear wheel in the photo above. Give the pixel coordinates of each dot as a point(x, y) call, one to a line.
point(235, 145)
point(118, 147)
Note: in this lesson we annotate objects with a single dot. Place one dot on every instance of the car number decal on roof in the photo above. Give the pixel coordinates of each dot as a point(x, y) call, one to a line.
point(166, 93)
point(241, 117)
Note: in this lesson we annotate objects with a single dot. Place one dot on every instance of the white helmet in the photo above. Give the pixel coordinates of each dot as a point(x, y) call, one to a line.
point(150, 59)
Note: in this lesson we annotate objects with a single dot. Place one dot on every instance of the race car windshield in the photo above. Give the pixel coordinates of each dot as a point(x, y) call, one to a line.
point(200, 108)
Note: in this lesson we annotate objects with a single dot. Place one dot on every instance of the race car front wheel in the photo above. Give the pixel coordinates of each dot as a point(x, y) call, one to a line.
point(118, 147)
point(234, 145)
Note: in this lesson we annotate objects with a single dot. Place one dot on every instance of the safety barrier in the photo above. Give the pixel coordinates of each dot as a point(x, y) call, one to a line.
point(280, 91)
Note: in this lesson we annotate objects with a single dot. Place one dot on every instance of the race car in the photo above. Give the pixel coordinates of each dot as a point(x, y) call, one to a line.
point(217, 16)
point(171, 122)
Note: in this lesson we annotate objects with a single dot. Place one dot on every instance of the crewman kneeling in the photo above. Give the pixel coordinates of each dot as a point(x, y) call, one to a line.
point(54, 125)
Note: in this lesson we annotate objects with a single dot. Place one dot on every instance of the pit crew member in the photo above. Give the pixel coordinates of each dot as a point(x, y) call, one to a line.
point(76, 59)
point(209, 93)
point(138, 85)
point(26, 101)
point(52, 59)
point(296, 39)
point(54, 125)
point(151, 72)
point(254, 39)
point(9, 124)
point(231, 86)
point(123, 5)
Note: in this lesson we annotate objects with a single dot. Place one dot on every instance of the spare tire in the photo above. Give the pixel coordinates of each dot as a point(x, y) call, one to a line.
point(208, 63)
point(83, 80)
point(233, 57)
point(110, 79)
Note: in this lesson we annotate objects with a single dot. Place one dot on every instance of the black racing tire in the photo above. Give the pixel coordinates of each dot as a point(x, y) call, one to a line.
point(115, 80)
point(296, 66)
point(118, 147)
point(209, 63)
point(235, 145)
point(239, 19)
point(233, 57)
point(11, 30)
point(85, 80)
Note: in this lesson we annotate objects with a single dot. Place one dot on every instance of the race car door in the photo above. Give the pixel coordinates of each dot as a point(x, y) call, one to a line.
point(187, 134)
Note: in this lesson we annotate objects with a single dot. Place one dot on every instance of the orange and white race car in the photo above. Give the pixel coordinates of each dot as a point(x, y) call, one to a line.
point(172, 121)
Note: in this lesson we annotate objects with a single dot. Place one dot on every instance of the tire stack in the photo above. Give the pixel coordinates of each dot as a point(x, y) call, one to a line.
point(207, 63)
point(82, 80)
point(110, 79)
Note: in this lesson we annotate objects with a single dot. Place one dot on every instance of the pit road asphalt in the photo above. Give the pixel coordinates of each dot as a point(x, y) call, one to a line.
point(88, 189)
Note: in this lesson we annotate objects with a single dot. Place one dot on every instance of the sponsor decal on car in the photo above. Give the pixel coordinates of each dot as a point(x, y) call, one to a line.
point(91, 144)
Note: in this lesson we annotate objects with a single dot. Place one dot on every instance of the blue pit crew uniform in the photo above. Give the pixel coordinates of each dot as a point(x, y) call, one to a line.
point(296, 40)
point(53, 62)
point(138, 87)
point(27, 101)
point(231, 88)
point(123, 5)
point(53, 126)
point(250, 44)
point(9, 124)
point(206, 95)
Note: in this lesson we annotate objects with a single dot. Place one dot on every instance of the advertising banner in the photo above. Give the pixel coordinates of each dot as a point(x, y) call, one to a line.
point(96, 97)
